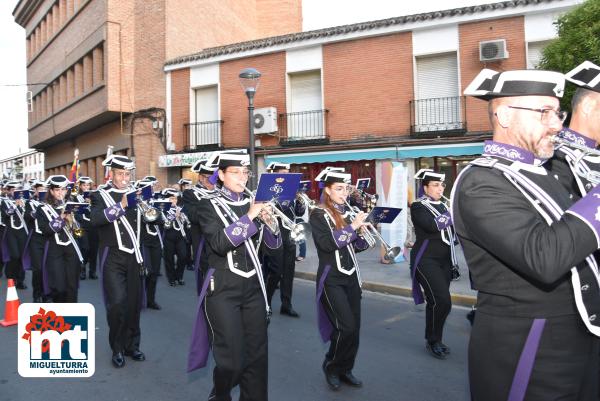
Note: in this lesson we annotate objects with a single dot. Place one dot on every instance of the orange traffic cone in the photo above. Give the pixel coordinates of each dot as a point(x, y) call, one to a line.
point(11, 316)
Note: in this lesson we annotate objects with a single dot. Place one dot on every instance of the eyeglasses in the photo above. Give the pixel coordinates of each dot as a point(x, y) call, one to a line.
point(239, 173)
point(546, 114)
point(437, 184)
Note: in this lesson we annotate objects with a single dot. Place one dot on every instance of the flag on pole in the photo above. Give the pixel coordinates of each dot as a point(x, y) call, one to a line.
point(109, 152)
point(74, 175)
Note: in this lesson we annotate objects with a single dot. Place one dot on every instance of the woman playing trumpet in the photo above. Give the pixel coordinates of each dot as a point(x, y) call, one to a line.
point(233, 297)
point(338, 278)
point(62, 258)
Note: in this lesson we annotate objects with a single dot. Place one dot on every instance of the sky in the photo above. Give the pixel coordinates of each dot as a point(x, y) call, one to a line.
point(316, 13)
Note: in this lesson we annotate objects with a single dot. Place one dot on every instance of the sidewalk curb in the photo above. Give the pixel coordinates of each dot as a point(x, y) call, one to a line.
point(457, 299)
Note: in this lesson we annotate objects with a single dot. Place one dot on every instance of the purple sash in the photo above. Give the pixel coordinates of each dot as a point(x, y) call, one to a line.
point(199, 347)
point(417, 293)
point(526, 360)
point(102, 261)
point(45, 284)
point(325, 326)
point(26, 258)
point(4, 245)
point(197, 266)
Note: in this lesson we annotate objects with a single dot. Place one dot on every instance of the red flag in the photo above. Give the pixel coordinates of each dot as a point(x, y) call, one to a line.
point(74, 174)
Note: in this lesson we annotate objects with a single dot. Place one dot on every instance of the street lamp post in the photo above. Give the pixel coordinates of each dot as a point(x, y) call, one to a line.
point(249, 78)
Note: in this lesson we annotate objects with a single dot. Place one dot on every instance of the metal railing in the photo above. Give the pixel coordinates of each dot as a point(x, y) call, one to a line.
point(438, 116)
point(203, 134)
point(303, 126)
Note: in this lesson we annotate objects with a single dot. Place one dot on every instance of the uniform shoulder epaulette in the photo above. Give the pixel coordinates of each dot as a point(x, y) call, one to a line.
point(484, 162)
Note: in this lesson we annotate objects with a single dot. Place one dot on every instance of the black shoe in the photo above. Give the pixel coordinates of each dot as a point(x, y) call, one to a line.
point(82, 276)
point(190, 267)
point(289, 311)
point(93, 276)
point(333, 380)
point(471, 316)
point(350, 379)
point(118, 360)
point(37, 300)
point(436, 350)
point(21, 286)
point(445, 348)
point(154, 305)
point(180, 282)
point(136, 355)
point(173, 283)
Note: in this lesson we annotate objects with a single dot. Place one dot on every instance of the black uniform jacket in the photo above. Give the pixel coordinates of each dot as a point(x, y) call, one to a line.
point(518, 262)
point(102, 218)
point(426, 228)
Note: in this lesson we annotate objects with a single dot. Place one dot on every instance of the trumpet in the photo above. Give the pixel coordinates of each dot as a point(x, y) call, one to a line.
point(592, 176)
point(73, 225)
point(297, 230)
point(371, 236)
point(149, 213)
point(308, 203)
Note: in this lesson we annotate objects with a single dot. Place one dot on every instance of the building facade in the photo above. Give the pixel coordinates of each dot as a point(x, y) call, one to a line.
point(95, 69)
point(382, 98)
point(23, 166)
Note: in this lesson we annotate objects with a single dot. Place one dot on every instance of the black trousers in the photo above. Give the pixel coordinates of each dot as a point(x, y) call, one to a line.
point(36, 252)
point(434, 275)
point(281, 269)
point(62, 266)
point(342, 305)
point(122, 287)
point(152, 258)
point(175, 244)
point(16, 240)
point(566, 364)
point(237, 328)
point(88, 244)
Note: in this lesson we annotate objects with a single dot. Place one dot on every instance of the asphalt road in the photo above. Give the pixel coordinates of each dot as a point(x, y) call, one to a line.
point(392, 361)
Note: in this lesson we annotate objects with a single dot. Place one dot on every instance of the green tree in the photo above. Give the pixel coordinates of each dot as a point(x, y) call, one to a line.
point(578, 40)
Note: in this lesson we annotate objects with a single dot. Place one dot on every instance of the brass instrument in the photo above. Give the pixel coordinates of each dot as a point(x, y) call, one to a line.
point(297, 230)
point(149, 213)
point(308, 203)
point(371, 236)
point(71, 223)
point(592, 176)
point(74, 191)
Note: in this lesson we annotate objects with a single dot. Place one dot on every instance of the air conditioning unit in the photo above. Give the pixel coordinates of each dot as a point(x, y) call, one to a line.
point(265, 120)
point(493, 50)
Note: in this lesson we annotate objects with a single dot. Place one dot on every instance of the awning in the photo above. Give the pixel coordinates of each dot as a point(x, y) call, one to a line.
point(394, 153)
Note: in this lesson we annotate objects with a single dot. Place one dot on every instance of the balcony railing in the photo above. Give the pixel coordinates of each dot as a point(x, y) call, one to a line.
point(303, 127)
point(204, 135)
point(444, 115)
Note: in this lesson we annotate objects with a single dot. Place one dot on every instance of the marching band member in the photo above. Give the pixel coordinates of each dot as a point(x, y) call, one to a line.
point(62, 257)
point(121, 265)
point(36, 241)
point(185, 184)
point(191, 200)
point(3, 219)
point(432, 258)
point(88, 242)
point(16, 234)
point(235, 305)
point(175, 239)
point(338, 277)
point(528, 249)
point(569, 164)
point(281, 262)
point(151, 241)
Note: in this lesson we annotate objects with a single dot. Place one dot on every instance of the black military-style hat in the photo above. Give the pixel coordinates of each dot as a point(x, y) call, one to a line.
point(202, 167)
point(490, 84)
point(332, 175)
point(276, 166)
point(168, 192)
point(226, 159)
point(57, 181)
point(13, 184)
point(586, 75)
point(184, 181)
point(85, 180)
point(427, 174)
point(120, 162)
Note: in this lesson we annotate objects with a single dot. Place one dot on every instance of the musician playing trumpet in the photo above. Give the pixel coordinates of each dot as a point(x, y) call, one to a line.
point(13, 209)
point(233, 298)
point(336, 234)
point(176, 239)
point(61, 262)
point(88, 242)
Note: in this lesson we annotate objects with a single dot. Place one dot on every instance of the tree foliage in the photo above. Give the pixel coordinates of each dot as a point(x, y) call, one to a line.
point(578, 40)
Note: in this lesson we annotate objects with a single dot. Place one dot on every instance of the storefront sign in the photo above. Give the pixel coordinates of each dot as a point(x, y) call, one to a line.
point(182, 159)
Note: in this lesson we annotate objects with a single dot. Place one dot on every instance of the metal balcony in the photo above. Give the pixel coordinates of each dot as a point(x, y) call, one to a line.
point(203, 135)
point(444, 116)
point(303, 127)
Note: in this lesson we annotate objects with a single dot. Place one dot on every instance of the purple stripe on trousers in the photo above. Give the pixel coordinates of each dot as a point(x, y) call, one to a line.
point(417, 293)
point(526, 360)
point(26, 258)
point(45, 284)
point(199, 347)
point(325, 326)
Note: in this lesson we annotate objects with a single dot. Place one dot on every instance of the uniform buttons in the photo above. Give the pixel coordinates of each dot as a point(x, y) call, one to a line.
point(556, 176)
point(570, 196)
point(235, 264)
point(588, 186)
point(235, 252)
point(592, 318)
point(585, 287)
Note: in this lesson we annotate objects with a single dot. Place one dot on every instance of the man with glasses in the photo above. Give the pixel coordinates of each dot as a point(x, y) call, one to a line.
point(527, 246)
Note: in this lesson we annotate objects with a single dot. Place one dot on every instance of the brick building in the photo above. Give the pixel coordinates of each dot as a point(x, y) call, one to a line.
point(23, 166)
point(95, 69)
point(382, 98)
